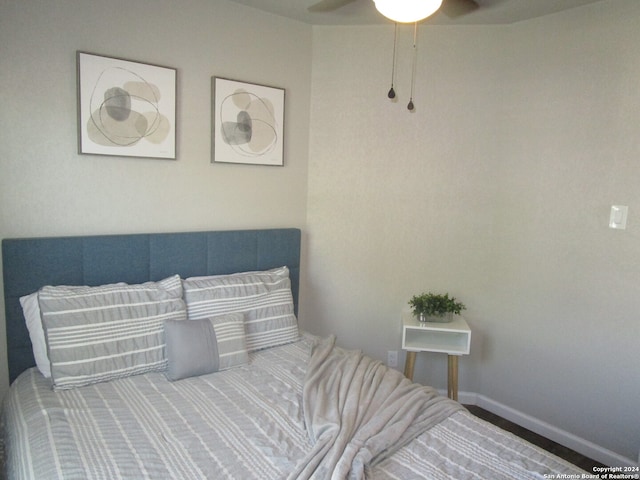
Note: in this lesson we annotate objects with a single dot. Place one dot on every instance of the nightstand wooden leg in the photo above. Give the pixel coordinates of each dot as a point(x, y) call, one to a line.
point(409, 363)
point(452, 384)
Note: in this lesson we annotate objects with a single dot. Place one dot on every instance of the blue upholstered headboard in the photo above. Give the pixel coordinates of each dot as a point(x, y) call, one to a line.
point(30, 263)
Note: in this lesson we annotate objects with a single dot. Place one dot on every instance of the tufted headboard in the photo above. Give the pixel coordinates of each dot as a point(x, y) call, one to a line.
point(30, 263)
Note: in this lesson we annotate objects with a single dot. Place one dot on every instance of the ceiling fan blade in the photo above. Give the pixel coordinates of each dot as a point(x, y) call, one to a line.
point(328, 5)
point(458, 8)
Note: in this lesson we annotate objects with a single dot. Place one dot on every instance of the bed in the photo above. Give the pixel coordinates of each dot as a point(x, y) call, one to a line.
point(270, 402)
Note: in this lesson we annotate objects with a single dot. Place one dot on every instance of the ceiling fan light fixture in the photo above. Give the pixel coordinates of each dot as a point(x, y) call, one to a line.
point(407, 11)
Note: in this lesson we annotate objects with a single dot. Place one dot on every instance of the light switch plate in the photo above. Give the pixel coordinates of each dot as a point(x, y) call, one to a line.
point(618, 217)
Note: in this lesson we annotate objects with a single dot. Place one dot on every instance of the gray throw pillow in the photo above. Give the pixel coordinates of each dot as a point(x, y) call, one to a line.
point(198, 347)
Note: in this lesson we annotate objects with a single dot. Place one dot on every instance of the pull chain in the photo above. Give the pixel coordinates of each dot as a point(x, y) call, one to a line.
point(413, 69)
point(392, 92)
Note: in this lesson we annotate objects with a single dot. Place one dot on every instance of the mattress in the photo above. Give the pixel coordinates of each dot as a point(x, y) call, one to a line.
point(243, 423)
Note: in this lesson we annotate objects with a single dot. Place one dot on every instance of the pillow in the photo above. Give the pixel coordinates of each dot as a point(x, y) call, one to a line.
point(96, 334)
point(198, 347)
point(264, 297)
point(31, 311)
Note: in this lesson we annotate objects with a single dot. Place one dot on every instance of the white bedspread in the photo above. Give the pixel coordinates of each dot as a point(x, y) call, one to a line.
point(245, 423)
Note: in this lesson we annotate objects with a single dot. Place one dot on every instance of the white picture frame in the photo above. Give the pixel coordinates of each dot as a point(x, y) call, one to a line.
point(126, 108)
point(247, 123)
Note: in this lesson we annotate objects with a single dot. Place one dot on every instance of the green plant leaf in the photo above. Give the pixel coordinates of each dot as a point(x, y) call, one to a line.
point(432, 304)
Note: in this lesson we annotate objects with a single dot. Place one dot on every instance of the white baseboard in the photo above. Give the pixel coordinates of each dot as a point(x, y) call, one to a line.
point(569, 440)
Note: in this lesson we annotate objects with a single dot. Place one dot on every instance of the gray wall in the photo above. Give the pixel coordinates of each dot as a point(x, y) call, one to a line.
point(47, 189)
point(498, 190)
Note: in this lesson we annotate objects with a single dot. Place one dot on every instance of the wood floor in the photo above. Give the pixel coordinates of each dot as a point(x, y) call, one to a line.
point(542, 442)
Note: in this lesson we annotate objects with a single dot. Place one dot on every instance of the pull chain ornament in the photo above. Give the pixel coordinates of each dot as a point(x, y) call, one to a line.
point(392, 92)
point(410, 106)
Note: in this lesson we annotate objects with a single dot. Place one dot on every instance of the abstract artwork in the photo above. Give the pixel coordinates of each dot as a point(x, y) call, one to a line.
point(126, 108)
point(248, 123)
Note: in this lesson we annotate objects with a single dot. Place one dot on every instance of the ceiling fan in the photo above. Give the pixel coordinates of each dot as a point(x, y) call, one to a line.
point(407, 13)
point(451, 8)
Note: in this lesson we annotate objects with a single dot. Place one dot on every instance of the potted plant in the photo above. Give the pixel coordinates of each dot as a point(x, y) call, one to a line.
point(432, 307)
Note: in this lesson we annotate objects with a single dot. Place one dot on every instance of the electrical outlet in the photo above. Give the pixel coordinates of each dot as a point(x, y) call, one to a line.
point(392, 358)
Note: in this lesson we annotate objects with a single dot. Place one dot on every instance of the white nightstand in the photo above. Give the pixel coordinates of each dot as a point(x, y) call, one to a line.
point(453, 338)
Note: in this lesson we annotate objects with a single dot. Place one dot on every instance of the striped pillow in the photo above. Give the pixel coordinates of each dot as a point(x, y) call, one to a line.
point(198, 347)
point(232, 342)
point(96, 334)
point(264, 297)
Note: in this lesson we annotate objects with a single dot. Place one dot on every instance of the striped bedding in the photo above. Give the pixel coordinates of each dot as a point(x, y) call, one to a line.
point(243, 423)
point(264, 297)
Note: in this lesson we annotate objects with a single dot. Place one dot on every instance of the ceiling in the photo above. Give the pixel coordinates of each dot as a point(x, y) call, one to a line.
point(363, 12)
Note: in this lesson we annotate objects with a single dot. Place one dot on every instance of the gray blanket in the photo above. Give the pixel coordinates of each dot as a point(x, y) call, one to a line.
point(359, 412)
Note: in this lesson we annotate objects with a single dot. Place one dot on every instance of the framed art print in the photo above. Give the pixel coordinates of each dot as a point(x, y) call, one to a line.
point(247, 123)
point(126, 108)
